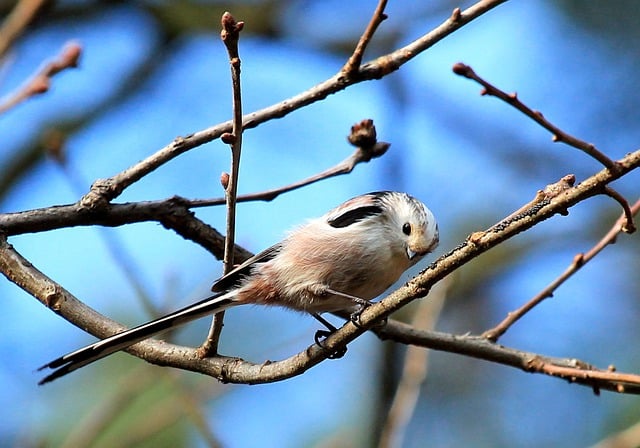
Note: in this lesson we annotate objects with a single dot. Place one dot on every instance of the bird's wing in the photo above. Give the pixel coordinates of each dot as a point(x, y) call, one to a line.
point(355, 210)
point(233, 277)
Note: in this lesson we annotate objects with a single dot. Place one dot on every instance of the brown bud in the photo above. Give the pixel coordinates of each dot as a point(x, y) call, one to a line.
point(38, 85)
point(462, 69)
point(456, 15)
point(230, 28)
point(363, 134)
point(228, 138)
point(224, 180)
point(71, 54)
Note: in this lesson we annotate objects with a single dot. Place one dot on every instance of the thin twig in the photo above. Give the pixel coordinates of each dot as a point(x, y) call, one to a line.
point(352, 66)
point(105, 190)
point(512, 99)
point(173, 212)
point(628, 226)
point(41, 81)
point(366, 149)
point(230, 35)
point(578, 262)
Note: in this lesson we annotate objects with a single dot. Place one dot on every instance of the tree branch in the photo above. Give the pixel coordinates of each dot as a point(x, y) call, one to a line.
point(174, 213)
point(570, 369)
point(627, 225)
point(578, 262)
point(24, 274)
point(95, 208)
point(230, 35)
point(350, 69)
point(40, 82)
point(105, 190)
point(512, 99)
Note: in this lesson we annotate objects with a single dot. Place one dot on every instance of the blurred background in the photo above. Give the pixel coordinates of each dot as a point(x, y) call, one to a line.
point(153, 70)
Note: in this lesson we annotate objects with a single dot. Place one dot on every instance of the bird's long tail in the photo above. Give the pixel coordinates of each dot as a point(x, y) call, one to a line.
point(86, 355)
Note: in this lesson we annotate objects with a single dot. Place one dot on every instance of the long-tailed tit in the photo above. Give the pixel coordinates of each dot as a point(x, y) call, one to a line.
point(337, 262)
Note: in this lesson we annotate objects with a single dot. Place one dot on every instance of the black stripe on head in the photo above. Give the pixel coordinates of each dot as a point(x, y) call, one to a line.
point(354, 215)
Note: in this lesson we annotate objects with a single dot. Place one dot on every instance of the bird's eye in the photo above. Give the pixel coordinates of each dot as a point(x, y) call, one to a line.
point(406, 228)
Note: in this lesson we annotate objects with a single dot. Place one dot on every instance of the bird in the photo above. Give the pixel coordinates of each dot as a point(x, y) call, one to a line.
point(338, 262)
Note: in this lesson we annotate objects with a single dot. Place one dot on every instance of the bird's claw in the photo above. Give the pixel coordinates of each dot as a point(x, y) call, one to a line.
point(355, 319)
point(355, 316)
point(319, 338)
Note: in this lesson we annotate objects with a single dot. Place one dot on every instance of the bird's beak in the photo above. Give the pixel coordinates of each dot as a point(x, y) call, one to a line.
point(420, 250)
point(411, 254)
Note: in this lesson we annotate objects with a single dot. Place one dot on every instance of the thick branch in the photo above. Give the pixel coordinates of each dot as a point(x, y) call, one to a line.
point(570, 369)
point(173, 213)
point(21, 272)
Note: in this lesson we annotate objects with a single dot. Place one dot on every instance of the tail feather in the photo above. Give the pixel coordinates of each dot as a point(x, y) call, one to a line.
point(120, 341)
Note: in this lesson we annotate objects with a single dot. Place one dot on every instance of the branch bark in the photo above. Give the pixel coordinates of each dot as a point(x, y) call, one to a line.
point(230, 36)
point(226, 369)
point(625, 221)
